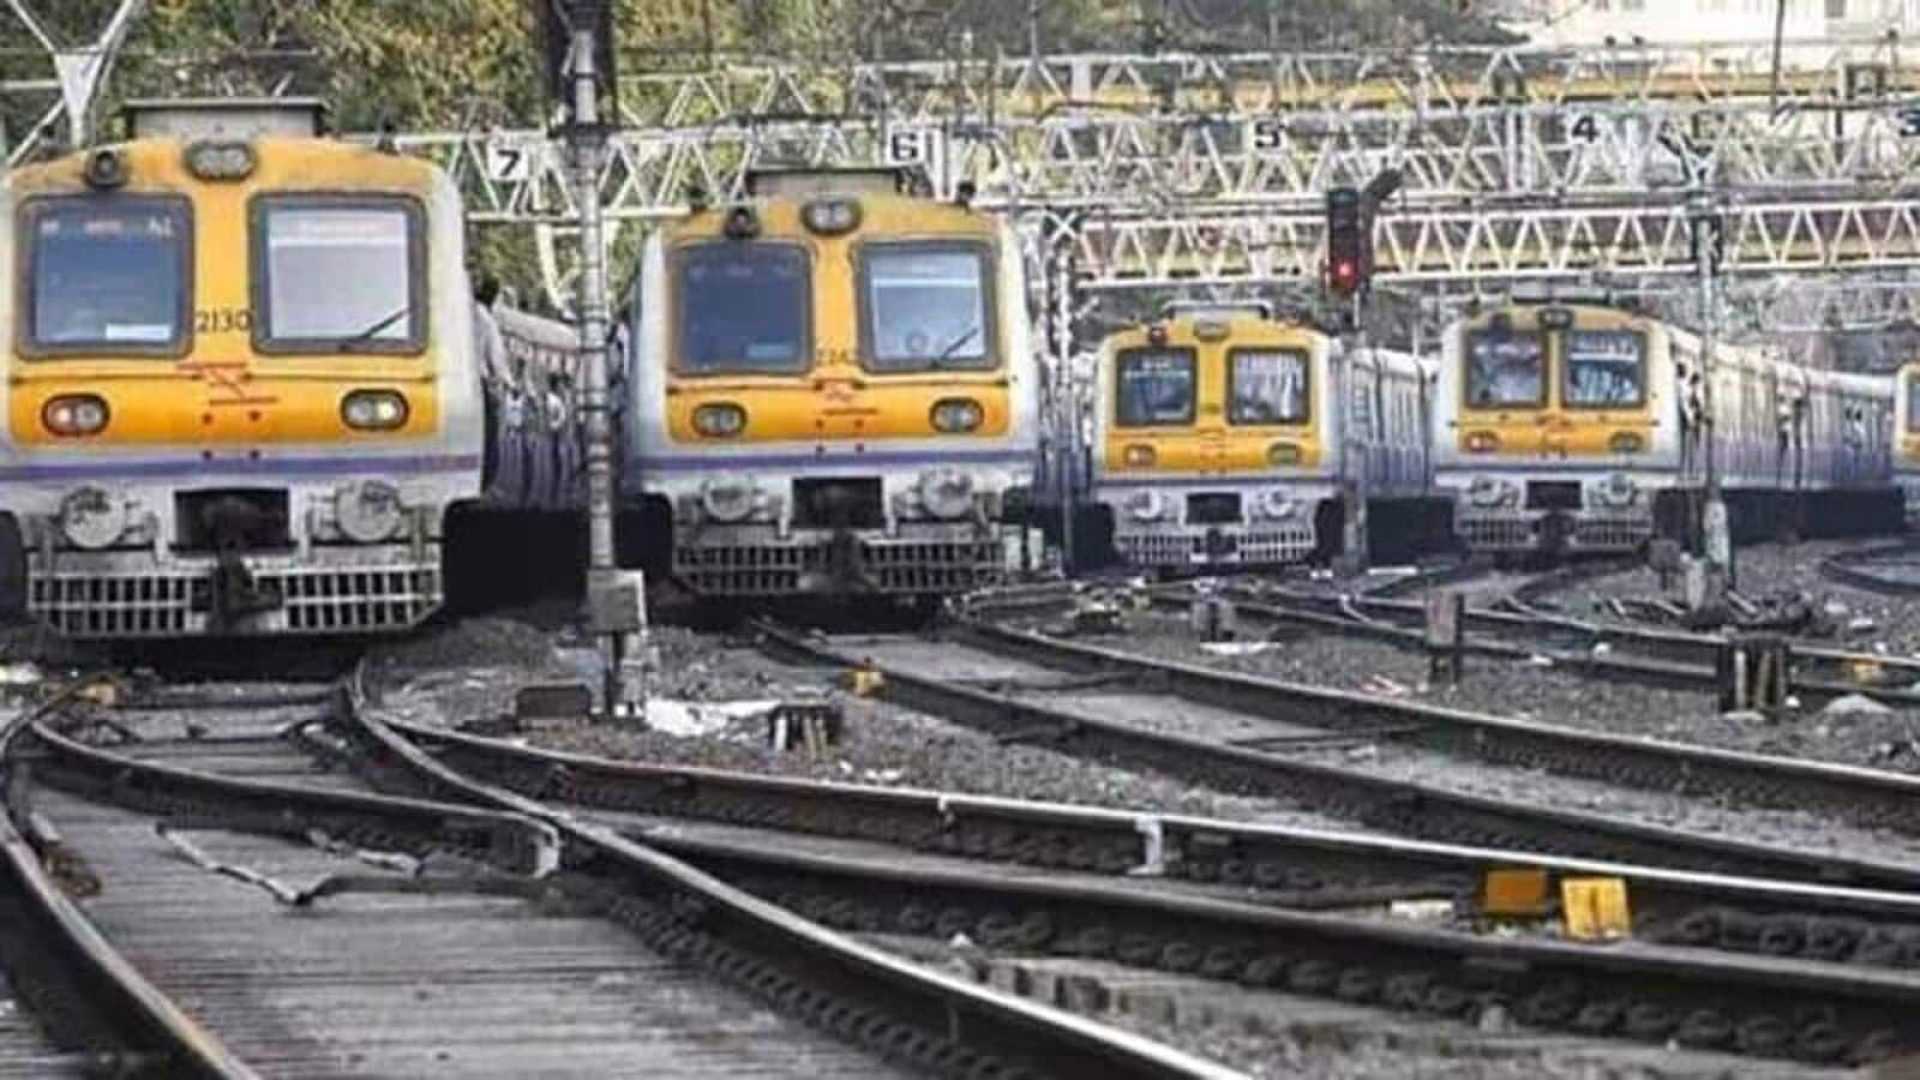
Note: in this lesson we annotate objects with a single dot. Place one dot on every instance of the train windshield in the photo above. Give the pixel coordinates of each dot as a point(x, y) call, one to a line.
point(1267, 386)
point(1506, 370)
point(924, 307)
point(107, 276)
point(339, 275)
point(1154, 387)
point(1913, 402)
point(1605, 368)
point(742, 307)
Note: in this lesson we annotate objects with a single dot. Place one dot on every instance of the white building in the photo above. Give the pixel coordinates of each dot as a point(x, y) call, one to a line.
point(1585, 22)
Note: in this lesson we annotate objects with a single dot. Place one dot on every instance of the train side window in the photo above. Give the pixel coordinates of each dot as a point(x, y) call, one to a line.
point(1605, 369)
point(339, 274)
point(1154, 387)
point(1267, 386)
point(106, 277)
point(742, 307)
point(925, 306)
point(1506, 370)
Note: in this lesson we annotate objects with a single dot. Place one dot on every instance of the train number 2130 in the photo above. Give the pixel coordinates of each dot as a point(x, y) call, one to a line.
point(222, 320)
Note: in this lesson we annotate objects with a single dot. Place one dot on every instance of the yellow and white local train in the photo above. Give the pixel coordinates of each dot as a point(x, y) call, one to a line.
point(1224, 438)
point(1906, 439)
point(241, 386)
point(831, 390)
point(1586, 428)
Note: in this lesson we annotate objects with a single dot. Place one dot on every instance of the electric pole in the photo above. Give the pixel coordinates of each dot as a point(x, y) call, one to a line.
point(1716, 535)
point(579, 53)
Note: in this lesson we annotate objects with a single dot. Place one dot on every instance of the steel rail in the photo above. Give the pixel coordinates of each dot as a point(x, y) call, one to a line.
point(1291, 866)
point(1402, 807)
point(1851, 569)
point(899, 1005)
point(1697, 998)
point(1662, 656)
point(1645, 992)
point(159, 1038)
point(1869, 798)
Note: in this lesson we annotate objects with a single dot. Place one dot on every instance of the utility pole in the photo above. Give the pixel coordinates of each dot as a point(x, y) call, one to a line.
point(614, 601)
point(1716, 536)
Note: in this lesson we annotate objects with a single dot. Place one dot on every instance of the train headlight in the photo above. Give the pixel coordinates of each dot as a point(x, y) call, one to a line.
point(1139, 456)
point(74, 415)
point(92, 519)
point(374, 410)
point(830, 217)
point(1278, 504)
point(220, 160)
point(1283, 453)
point(1485, 491)
point(1482, 442)
point(722, 421)
point(956, 416)
point(1626, 442)
point(1617, 490)
point(368, 511)
point(1146, 505)
point(728, 498)
point(946, 493)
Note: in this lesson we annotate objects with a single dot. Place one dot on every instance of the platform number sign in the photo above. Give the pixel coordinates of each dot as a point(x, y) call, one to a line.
point(1909, 121)
point(1266, 135)
point(1585, 128)
point(911, 146)
point(509, 162)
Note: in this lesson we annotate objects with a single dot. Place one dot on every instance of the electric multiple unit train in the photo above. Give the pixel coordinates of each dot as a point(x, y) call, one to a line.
point(1223, 438)
point(242, 388)
point(830, 389)
point(1586, 428)
point(249, 391)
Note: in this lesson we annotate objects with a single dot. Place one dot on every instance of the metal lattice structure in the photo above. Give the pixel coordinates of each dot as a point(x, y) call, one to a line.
point(74, 74)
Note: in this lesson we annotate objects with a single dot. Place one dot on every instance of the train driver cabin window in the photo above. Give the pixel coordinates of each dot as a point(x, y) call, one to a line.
point(1154, 387)
point(1267, 386)
point(1606, 369)
point(1913, 402)
point(924, 307)
point(340, 275)
point(106, 277)
point(743, 309)
point(1506, 370)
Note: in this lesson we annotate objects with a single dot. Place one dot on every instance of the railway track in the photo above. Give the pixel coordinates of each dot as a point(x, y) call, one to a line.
point(1299, 868)
point(419, 962)
point(745, 833)
point(1249, 733)
point(1867, 569)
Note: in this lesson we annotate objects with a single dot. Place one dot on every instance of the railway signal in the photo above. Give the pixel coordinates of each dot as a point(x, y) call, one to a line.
point(1349, 252)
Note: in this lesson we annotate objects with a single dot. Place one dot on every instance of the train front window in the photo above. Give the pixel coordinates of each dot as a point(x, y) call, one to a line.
point(1913, 402)
point(1506, 370)
point(742, 308)
point(924, 307)
point(106, 276)
point(1267, 386)
point(1155, 387)
point(338, 275)
point(1605, 368)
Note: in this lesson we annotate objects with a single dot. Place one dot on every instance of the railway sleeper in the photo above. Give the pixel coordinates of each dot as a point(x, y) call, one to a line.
point(1698, 1009)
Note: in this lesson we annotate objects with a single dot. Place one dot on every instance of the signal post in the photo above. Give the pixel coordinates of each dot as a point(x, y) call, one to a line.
point(1349, 277)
